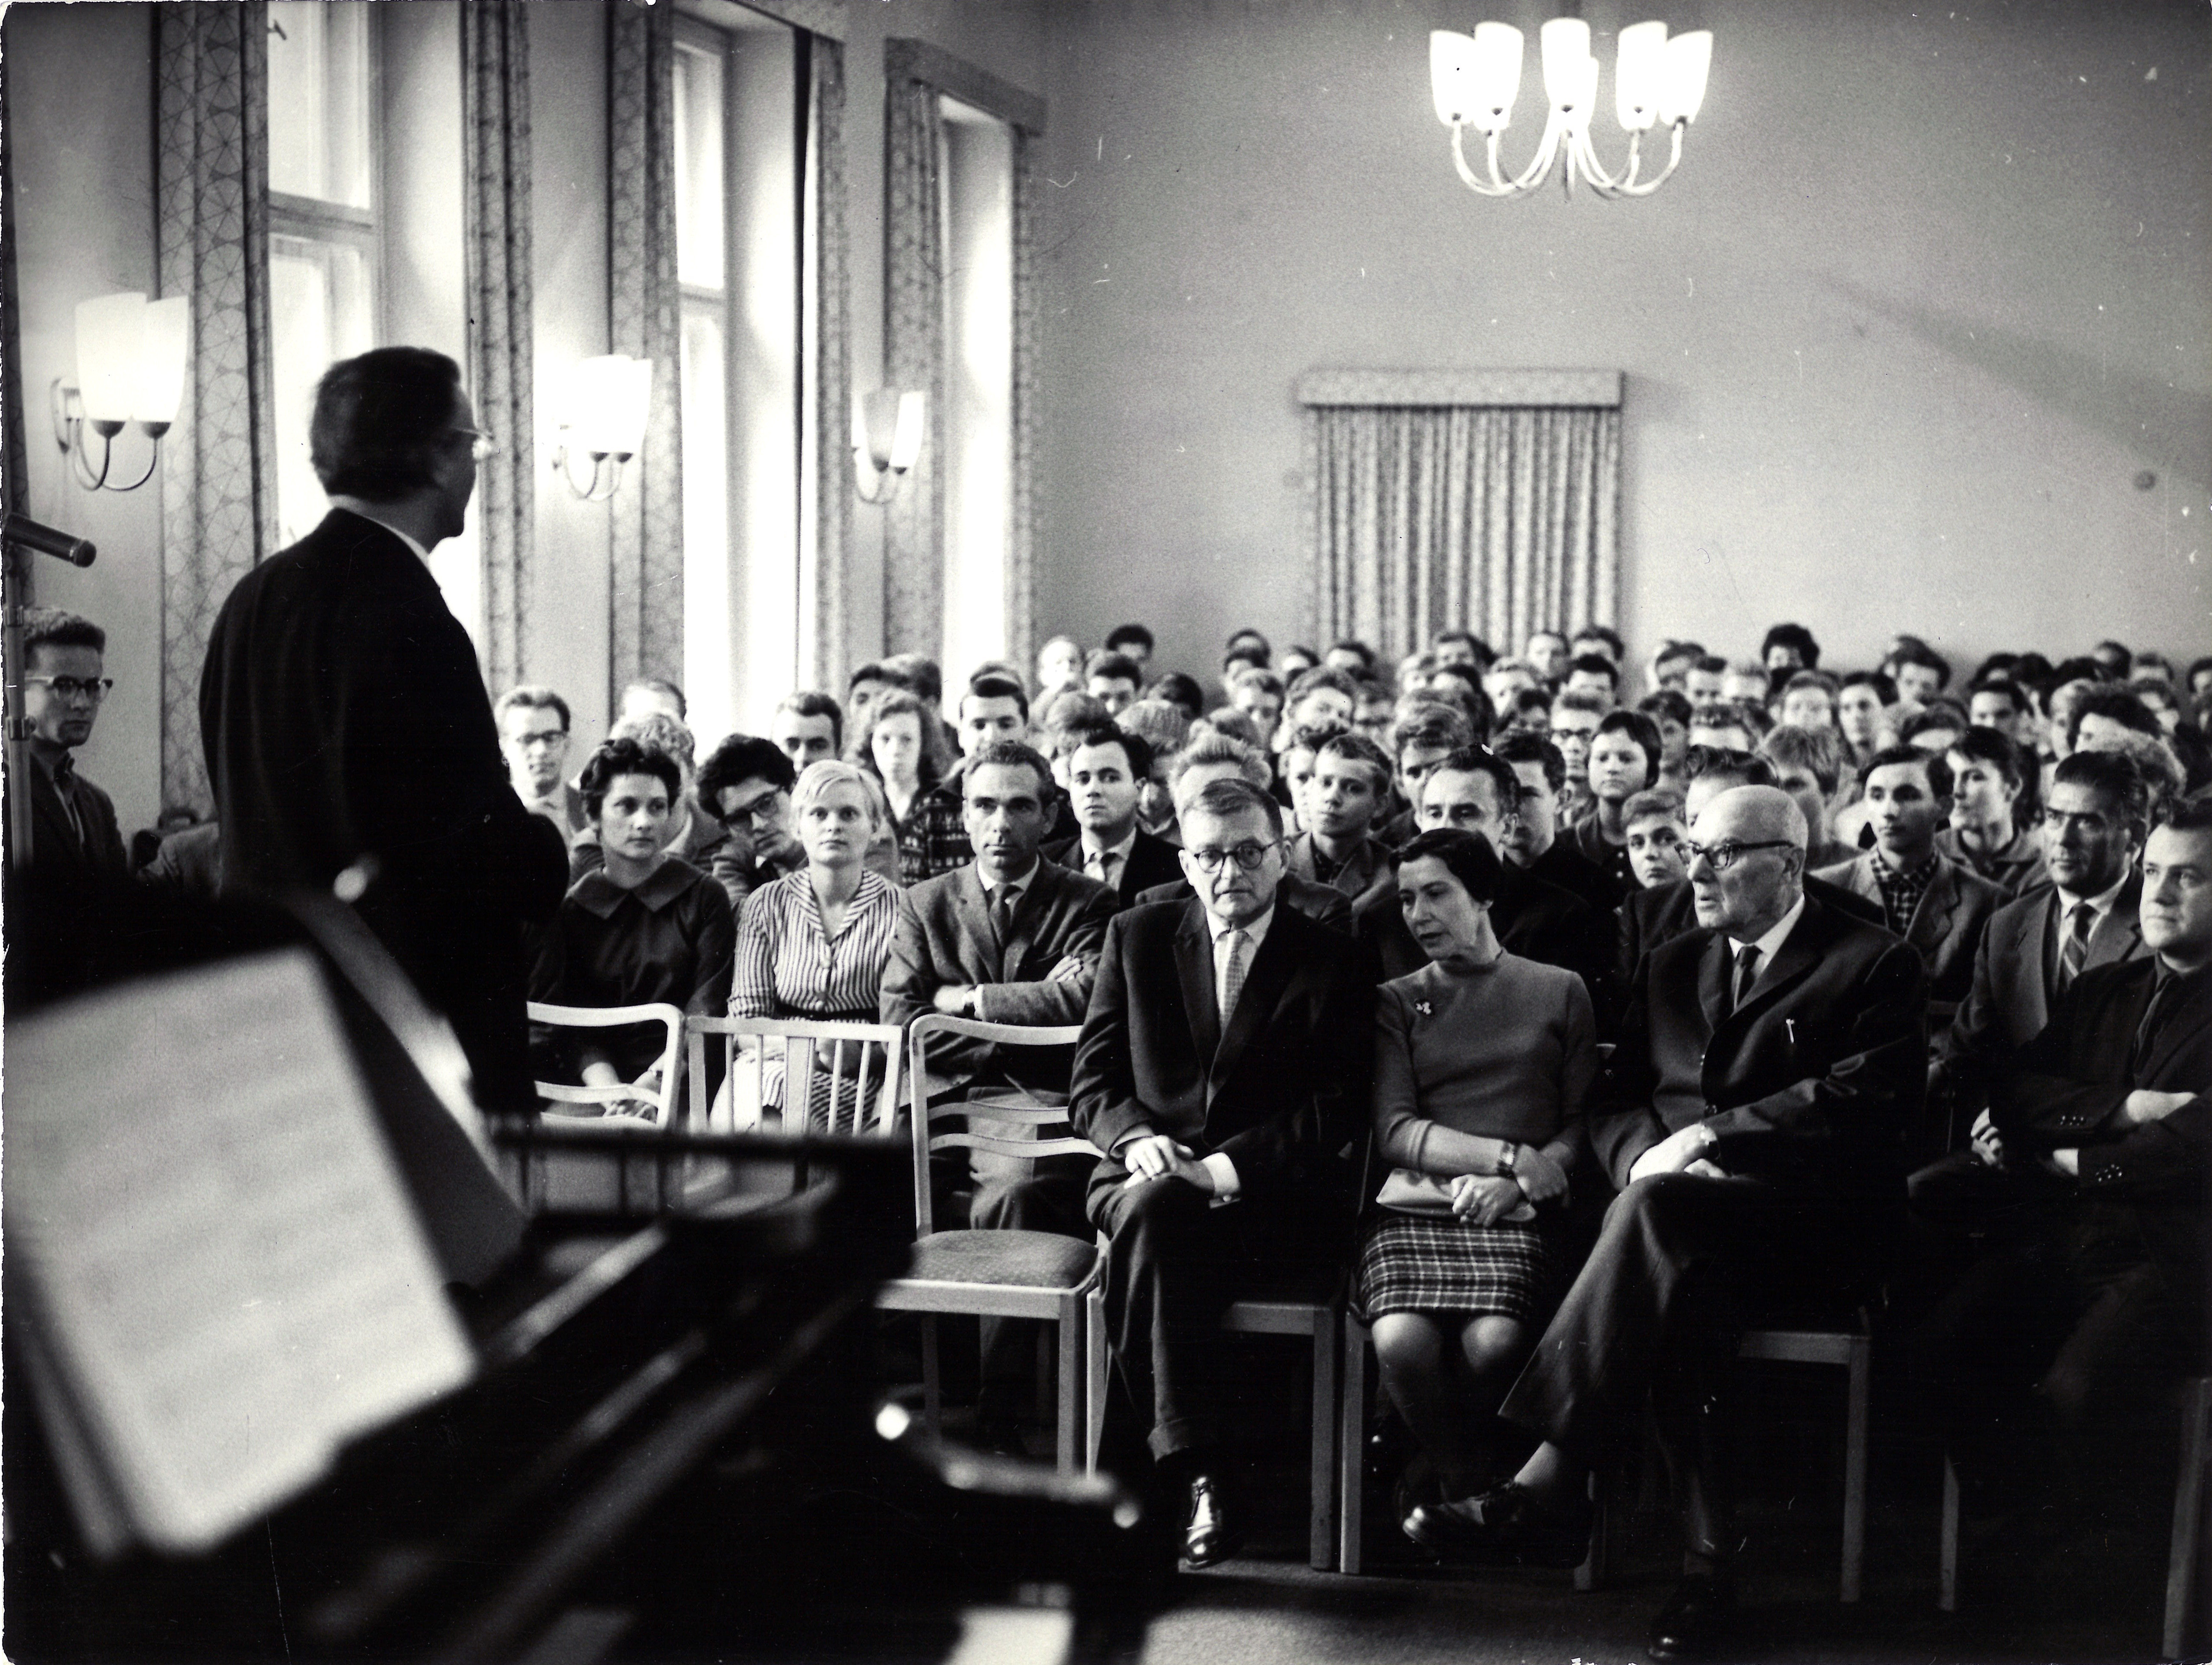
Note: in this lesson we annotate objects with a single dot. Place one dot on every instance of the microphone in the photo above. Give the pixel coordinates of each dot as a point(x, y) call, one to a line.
point(31, 534)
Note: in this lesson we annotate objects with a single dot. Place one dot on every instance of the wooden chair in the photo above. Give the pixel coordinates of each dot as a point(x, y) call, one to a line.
point(543, 1177)
point(849, 1071)
point(610, 1017)
point(2185, 1551)
point(996, 1274)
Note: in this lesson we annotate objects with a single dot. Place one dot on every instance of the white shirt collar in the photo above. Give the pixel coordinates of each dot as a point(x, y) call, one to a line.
point(1255, 930)
point(2100, 905)
point(1776, 936)
point(1013, 886)
point(1092, 848)
point(421, 554)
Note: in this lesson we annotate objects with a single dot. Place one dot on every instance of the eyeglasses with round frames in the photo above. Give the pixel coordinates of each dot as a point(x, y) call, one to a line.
point(1722, 856)
point(1246, 856)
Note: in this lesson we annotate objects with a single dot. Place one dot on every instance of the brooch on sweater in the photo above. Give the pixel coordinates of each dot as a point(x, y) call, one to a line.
point(1424, 1008)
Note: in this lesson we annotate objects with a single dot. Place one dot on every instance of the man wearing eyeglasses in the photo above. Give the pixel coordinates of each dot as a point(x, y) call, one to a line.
point(1222, 1066)
point(73, 829)
point(347, 734)
point(744, 786)
point(1752, 1120)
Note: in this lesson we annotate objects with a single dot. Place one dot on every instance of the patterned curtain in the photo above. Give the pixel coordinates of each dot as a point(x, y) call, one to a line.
point(1020, 546)
point(495, 127)
point(832, 369)
point(219, 473)
point(1505, 520)
point(645, 321)
point(913, 342)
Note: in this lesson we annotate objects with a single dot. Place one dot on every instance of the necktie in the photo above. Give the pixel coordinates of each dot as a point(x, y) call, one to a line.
point(1746, 973)
point(1102, 867)
point(2074, 954)
point(1004, 900)
point(65, 790)
point(1233, 976)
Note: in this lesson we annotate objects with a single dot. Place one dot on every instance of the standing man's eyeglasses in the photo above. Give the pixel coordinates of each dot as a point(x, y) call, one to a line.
point(483, 445)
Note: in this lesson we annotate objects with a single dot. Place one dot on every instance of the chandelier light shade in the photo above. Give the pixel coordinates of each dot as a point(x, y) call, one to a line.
point(1658, 80)
point(130, 358)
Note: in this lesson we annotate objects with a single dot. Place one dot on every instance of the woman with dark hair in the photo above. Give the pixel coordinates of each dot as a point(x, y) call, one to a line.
point(1482, 1061)
point(646, 926)
point(1988, 832)
point(903, 746)
point(1625, 758)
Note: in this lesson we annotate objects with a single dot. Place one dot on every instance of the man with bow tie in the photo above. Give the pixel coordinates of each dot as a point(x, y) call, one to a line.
point(1753, 1120)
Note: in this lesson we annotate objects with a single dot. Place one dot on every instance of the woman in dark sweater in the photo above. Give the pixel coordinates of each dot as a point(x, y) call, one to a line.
point(1482, 1061)
point(646, 926)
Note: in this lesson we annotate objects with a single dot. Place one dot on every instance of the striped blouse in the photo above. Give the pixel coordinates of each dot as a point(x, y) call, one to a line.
point(787, 968)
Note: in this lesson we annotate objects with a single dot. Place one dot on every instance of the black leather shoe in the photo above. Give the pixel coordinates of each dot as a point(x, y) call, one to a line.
point(1210, 1535)
point(1695, 1620)
point(1503, 1522)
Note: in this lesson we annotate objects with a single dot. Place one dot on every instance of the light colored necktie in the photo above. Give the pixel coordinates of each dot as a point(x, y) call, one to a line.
point(2081, 922)
point(1232, 975)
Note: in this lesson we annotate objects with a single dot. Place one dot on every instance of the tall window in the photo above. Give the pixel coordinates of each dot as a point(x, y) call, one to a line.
point(977, 169)
point(325, 257)
point(739, 168)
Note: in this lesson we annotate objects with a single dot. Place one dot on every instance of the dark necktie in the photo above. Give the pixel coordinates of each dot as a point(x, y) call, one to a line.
point(1746, 973)
point(65, 790)
point(2074, 953)
point(1004, 900)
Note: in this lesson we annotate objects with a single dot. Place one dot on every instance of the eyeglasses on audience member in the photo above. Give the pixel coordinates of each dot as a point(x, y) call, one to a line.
point(1722, 856)
point(1247, 856)
point(95, 688)
point(764, 811)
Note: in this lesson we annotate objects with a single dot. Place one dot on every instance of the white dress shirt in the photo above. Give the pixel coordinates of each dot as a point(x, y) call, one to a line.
point(1118, 853)
point(1768, 945)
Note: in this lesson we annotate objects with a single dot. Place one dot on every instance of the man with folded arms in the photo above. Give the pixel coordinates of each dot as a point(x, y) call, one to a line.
point(1752, 1118)
point(1222, 1068)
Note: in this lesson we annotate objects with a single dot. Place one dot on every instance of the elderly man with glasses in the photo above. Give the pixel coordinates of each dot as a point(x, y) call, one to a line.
point(73, 829)
point(1751, 1120)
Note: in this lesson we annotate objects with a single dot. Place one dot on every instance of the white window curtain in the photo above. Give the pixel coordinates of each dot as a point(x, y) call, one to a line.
point(1438, 500)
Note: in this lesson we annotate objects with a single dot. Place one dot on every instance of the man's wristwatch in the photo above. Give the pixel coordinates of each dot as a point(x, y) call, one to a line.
point(1508, 1155)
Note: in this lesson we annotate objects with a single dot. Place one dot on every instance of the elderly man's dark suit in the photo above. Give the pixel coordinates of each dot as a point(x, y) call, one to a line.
point(2122, 1284)
point(1278, 1086)
point(1152, 860)
point(1808, 1084)
point(345, 721)
point(1663, 912)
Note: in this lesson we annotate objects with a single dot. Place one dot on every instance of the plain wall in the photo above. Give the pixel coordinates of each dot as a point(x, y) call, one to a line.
point(1927, 295)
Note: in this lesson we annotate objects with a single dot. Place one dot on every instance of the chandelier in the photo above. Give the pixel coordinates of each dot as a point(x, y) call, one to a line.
point(1475, 78)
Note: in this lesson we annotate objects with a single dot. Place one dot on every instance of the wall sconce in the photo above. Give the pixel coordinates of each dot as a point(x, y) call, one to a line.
point(130, 357)
point(887, 429)
point(605, 417)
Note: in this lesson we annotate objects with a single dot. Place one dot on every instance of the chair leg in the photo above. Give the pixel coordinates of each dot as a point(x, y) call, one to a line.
point(1069, 1423)
point(1596, 1562)
point(1046, 1341)
point(2187, 1513)
point(1094, 1381)
point(1946, 1566)
point(1351, 1450)
point(931, 1405)
point(1320, 1551)
point(1854, 1466)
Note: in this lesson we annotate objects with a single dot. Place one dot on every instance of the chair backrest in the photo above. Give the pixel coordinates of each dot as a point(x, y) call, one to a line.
point(610, 1017)
point(847, 1075)
point(1013, 1105)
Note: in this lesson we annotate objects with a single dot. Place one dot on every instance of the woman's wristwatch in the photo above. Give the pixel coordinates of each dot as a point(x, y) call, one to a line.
point(1509, 1153)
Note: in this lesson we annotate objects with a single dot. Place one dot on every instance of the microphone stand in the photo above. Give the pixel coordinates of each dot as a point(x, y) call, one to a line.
point(19, 535)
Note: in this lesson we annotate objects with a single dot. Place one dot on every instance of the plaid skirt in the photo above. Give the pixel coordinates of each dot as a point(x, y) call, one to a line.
point(1439, 1263)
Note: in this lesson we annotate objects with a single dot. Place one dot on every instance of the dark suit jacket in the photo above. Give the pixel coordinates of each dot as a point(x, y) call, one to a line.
point(1325, 904)
point(1946, 928)
point(1533, 919)
point(1152, 860)
point(2009, 1002)
point(1569, 865)
point(343, 717)
point(57, 855)
point(1367, 872)
point(2148, 1189)
point(1663, 912)
point(1281, 1091)
point(943, 936)
point(1811, 1082)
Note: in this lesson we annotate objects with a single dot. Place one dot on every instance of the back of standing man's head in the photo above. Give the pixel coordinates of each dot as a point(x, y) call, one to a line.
point(381, 421)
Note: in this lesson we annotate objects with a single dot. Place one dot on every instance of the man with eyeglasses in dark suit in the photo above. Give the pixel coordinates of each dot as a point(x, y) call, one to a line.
point(73, 829)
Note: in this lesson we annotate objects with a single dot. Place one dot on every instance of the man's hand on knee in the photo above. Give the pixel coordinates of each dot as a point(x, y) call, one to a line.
point(1677, 1153)
point(1157, 1156)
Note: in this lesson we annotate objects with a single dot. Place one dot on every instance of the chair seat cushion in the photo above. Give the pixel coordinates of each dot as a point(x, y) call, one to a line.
point(1029, 1260)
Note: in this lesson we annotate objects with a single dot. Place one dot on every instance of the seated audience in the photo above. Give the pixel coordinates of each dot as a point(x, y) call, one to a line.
point(534, 736)
point(695, 831)
point(1258, 693)
point(1227, 719)
point(1808, 764)
point(1425, 733)
point(642, 926)
point(1462, 647)
point(1133, 642)
point(1294, 769)
point(1113, 679)
point(1670, 665)
point(1165, 728)
point(1297, 659)
point(808, 728)
point(2100, 713)
point(1751, 1119)
point(1242, 655)
point(1624, 760)
point(1548, 653)
point(1725, 725)
point(1594, 675)
point(1373, 708)
point(1529, 712)
point(2200, 676)
point(1601, 639)
point(1789, 647)
point(1657, 829)
point(1938, 905)
point(1705, 681)
point(1934, 726)
point(75, 839)
point(1670, 712)
point(1919, 672)
point(1352, 657)
point(1224, 1057)
point(1060, 665)
point(2112, 658)
point(1506, 678)
point(2000, 702)
point(1180, 691)
point(1809, 700)
point(1538, 845)
point(649, 696)
point(1575, 717)
point(1212, 757)
point(2080, 1326)
point(1105, 772)
point(866, 685)
point(903, 746)
point(1322, 697)
point(1351, 779)
point(1748, 684)
point(1862, 702)
point(1482, 1063)
point(1458, 686)
point(745, 786)
point(2158, 699)
point(1984, 834)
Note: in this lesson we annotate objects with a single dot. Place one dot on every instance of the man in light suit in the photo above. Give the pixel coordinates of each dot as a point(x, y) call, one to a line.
point(1005, 938)
point(1939, 906)
point(1752, 1119)
point(1106, 772)
point(1222, 1069)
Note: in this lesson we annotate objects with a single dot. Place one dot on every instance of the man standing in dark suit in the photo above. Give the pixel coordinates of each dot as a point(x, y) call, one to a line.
point(1752, 1119)
point(74, 836)
point(347, 734)
point(1222, 1069)
point(2112, 1096)
point(1107, 771)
